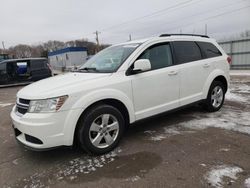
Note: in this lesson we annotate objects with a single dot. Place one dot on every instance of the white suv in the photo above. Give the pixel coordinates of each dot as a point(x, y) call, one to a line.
point(120, 85)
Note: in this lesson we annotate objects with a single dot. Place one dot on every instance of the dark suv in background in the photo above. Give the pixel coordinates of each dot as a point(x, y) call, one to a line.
point(24, 70)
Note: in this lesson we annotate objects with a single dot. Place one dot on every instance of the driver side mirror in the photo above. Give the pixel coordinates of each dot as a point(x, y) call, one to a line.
point(141, 65)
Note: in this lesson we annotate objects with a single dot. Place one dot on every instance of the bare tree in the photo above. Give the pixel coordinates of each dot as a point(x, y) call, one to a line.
point(245, 34)
point(53, 45)
point(41, 50)
point(21, 51)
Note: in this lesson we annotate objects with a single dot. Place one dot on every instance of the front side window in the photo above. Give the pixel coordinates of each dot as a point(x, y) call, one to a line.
point(159, 55)
point(209, 49)
point(186, 51)
point(109, 59)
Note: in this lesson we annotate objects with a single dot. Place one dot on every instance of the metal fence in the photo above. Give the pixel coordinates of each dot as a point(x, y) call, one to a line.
point(239, 50)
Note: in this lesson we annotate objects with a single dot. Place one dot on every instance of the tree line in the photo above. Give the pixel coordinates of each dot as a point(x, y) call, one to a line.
point(42, 50)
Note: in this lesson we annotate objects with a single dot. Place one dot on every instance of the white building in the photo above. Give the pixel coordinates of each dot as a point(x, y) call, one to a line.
point(67, 58)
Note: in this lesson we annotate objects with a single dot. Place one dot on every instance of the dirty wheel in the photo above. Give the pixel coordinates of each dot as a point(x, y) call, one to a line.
point(101, 129)
point(215, 97)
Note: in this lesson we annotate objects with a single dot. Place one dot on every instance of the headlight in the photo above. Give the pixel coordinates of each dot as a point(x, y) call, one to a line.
point(47, 105)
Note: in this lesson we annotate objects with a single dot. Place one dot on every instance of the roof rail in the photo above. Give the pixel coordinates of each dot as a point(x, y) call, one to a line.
point(175, 34)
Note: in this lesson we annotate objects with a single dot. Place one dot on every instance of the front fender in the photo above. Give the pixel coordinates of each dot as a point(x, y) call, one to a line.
point(85, 101)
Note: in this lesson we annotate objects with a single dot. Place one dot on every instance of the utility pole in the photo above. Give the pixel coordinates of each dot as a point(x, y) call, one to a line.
point(205, 29)
point(130, 37)
point(97, 40)
point(3, 45)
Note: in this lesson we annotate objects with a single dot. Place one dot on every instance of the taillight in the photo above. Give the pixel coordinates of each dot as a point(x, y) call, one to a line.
point(50, 68)
point(229, 60)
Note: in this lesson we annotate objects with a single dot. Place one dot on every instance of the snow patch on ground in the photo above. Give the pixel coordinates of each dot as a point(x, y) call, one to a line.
point(167, 132)
point(5, 104)
point(69, 171)
point(242, 88)
point(133, 179)
point(149, 132)
point(224, 149)
point(239, 73)
point(247, 183)
point(229, 119)
point(202, 164)
point(234, 97)
point(171, 131)
point(15, 162)
point(215, 176)
point(157, 138)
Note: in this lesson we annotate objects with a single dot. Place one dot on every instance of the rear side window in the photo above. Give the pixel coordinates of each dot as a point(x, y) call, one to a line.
point(38, 64)
point(159, 55)
point(209, 49)
point(186, 51)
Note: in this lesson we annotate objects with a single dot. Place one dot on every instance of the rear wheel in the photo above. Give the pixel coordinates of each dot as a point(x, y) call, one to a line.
point(215, 97)
point(100, 129)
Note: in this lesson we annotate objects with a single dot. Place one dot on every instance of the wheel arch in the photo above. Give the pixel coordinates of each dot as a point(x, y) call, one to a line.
point(217, 75)
point(110, 96)
point(223, 80)
point(109, 101)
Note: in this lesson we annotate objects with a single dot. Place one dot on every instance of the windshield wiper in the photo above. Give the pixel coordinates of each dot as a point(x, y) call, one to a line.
point(88, 69)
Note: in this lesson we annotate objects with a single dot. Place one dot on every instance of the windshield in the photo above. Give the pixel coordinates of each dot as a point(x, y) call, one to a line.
point(109, 59)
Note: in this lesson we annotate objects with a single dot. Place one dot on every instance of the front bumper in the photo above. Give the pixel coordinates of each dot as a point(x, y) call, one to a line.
point(44, 130)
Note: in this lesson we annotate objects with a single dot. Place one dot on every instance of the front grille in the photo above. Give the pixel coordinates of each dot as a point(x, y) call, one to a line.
point(22, 106)
point(24, 101)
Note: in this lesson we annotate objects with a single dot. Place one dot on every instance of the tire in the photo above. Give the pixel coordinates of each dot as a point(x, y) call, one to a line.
point(100, 129)
point(215, 97)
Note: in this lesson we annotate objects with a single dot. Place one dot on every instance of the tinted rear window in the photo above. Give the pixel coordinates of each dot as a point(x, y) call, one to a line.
point(186, 51)
point(38, 64)
point(209, 49)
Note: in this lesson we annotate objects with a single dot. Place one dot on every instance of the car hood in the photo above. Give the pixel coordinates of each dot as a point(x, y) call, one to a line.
point(58, 85)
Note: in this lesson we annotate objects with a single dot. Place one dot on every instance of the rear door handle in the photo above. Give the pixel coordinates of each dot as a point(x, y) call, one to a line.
point(172, 73)
point(206, 65)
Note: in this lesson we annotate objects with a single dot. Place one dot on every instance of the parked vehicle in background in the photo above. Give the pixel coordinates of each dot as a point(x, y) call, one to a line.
point(4, 57)
point(119, 86)
point(24, 70)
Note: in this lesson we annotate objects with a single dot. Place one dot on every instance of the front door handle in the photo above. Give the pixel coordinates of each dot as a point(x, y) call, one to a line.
point(172, 73)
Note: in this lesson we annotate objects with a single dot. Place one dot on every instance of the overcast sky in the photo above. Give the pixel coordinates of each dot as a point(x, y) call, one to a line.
point(36, 21)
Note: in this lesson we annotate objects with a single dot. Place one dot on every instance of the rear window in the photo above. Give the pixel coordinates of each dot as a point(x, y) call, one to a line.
point(186, 51)
point(209, 49)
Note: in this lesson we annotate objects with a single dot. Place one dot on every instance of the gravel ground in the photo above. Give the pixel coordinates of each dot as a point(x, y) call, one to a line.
point(187, 148)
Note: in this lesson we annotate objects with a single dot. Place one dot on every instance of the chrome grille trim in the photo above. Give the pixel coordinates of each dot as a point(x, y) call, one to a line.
point(22, 106)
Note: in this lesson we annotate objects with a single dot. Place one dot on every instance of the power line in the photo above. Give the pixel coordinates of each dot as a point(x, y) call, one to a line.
point(195, 15)
point(174, 8)
point(212, 17)
point(148, 15)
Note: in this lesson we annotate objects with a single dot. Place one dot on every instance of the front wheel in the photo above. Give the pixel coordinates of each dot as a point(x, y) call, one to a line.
point(215, 97)
point(100, 129)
